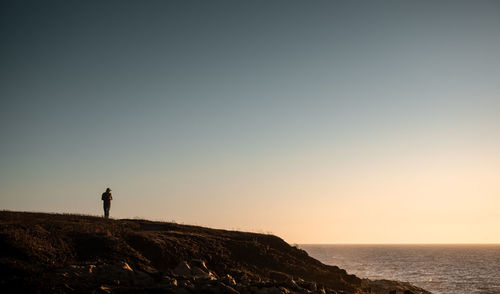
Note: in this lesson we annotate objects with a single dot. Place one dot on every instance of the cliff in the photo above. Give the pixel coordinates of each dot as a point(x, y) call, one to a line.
point(55, 253)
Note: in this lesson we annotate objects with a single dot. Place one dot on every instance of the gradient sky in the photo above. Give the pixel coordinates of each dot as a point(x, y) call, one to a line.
point(318, 121)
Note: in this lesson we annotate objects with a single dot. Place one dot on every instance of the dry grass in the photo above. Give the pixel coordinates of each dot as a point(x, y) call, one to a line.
point(35, 244)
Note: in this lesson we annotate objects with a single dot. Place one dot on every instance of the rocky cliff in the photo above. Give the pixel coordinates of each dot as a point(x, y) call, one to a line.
point(54, 253)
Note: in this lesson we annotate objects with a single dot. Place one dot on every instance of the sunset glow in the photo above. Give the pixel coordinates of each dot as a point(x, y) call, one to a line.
point(320, 123)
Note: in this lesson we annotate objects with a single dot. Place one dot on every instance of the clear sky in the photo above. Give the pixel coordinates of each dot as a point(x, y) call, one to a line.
point(318, 121)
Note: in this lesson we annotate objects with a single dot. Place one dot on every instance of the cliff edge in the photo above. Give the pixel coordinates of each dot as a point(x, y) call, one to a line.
point(57, 253)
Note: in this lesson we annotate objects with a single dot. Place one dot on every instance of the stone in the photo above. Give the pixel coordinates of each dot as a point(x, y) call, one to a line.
point(271, 290)
point(244, 278)
point(196, 271)
point(279, 276)
point(253, 289)
point(243, 289)
point(180, 291)
point(293, 285)
point(199, 263)
point(105, 289)
point(127, 267)
point(183, 269)
point(168, 281)
point(187, 284)
point(311, 286)
point(200, 274)
point(91, 268)
point(229, 280)
point(227, 289)
point(141, 279)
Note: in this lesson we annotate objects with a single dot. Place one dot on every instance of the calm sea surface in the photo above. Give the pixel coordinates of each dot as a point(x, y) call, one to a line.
point(457, 269)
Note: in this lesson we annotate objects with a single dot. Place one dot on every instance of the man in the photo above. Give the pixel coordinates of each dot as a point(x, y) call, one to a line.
point(106, 198)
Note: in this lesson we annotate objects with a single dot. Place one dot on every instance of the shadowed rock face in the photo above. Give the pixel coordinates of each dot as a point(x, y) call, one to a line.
point(49, 253)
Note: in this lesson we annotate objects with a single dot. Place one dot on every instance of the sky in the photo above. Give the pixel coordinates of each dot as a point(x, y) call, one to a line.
point(317, 121)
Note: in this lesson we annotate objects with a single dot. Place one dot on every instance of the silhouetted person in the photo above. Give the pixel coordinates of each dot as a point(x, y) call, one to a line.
point(106, 201)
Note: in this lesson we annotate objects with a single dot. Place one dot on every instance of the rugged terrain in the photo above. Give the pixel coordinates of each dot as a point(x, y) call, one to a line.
point(56, 253)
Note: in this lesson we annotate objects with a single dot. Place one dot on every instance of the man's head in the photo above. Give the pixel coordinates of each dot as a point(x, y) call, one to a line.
point(108, 190)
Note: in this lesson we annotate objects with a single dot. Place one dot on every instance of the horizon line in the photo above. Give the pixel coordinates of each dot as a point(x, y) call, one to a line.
point(423, 243)
point(271, 233)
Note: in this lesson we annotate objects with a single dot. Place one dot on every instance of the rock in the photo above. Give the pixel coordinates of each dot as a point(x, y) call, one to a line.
point(294, 285)
point(91, 268)
point(279, 276)
point(320, 290)
point(199, 263)
point(141, 279)
point(180, 291)
point(243, 289)
point(169, 282)
point(68, 287)
point(186, 284)
point(271, 290)
point(228, 280)
point(39, 247)
point(126, 267)
point(183, 269)
point(105, 289)
point(311, 286)
point(253, 289)
point(198, 273)
point(245, 279)
point(227, 289)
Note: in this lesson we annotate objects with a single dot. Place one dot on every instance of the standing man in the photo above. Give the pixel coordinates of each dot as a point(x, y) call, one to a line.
point(106, 198)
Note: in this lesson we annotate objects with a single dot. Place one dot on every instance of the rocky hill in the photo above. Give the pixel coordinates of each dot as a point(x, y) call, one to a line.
point(55, 253)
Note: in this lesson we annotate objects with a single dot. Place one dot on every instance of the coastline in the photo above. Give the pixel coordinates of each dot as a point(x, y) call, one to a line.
point(82, 254)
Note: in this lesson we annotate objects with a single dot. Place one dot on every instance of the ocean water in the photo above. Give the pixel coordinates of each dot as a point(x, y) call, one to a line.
point(441, 269)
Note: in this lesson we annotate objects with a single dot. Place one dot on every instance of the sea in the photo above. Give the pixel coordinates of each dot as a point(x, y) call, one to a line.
point(440, 269)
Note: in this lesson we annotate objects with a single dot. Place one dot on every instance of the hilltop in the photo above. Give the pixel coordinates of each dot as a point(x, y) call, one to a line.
point(57, 253)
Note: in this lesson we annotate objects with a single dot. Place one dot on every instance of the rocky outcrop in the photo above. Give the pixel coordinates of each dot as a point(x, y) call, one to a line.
point(45, 253)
